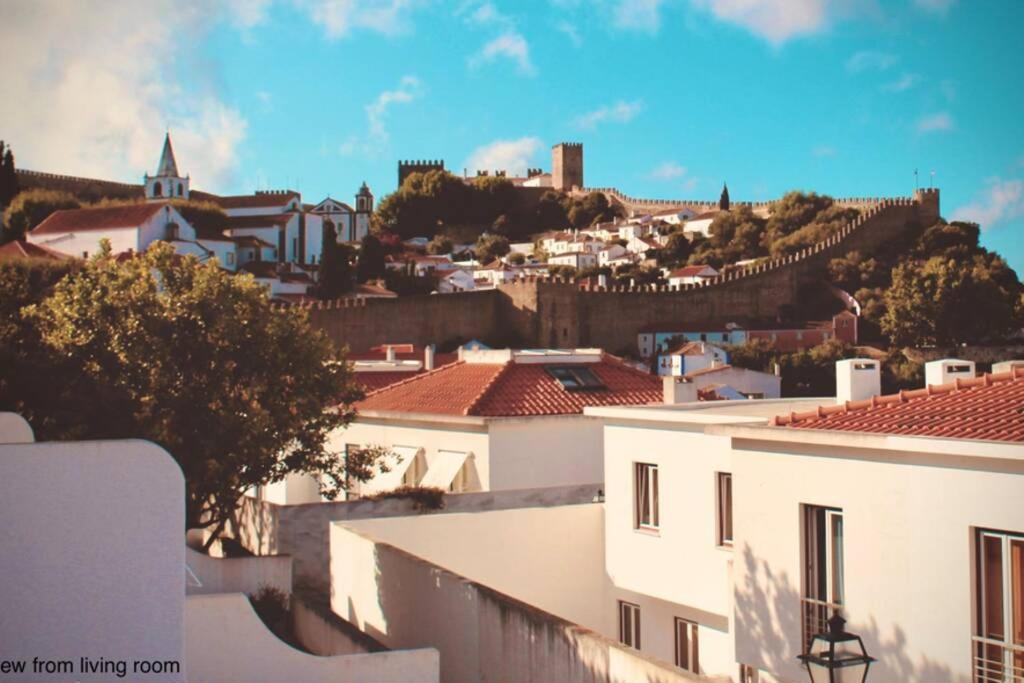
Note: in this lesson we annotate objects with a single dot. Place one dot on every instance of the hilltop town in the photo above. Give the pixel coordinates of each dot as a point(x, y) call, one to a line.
point(499, 427)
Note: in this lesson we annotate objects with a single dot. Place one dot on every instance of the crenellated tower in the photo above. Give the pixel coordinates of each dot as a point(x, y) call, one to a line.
point(567, 165)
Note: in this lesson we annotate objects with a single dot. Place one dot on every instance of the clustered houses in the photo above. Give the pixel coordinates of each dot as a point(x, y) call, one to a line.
point(729, 533)
point(656, 339)
point(272, 235)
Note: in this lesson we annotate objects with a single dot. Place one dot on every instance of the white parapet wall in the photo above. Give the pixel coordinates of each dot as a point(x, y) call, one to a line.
point(482, 634)
point(92, 560)
point(226, 641)
point(207, 574)
point(14, 429)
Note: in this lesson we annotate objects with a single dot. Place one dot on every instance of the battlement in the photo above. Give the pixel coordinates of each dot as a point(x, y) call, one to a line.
point(568, 145)
point(534, 172)
point(407, 167)
point(74, 179)
point(276, 193)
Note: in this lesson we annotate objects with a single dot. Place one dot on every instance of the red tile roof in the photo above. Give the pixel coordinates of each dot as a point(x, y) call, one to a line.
point(264, 269)
point(708, 371)
point(21, 249)
point(255, 201)
point(375, 381)
point(251, 241)
point(691, 348)
point(689, 271)
point(985, 408)
point(512, 389)
point(102, 218)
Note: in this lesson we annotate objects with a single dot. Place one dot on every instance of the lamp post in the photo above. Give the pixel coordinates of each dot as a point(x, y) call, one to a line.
point(837, 656)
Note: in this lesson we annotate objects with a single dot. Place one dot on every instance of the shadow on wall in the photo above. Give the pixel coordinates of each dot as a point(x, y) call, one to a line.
point(769, 623)
point(486, 635)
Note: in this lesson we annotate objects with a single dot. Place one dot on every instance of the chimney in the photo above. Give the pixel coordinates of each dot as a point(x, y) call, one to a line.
point(857, 379)
point(1007, 365)
point(390, 351)
point(677, 389)
point(947, 370)
point(428, 357)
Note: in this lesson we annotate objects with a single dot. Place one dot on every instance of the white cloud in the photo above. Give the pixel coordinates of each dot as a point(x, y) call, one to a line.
point(822, 151)
point(903, 83)
point(935, 6)
point(870, 60)
point(1001, 201)
point(409, 88)
point(571, 32)
point(338, 18)
point(933, 123)
point(513, 156)
point(620, 112)
point(247, 13)
point(641, 15)
point(668, 171)
point(509, 45)
point(96, 102)
point(774, 20)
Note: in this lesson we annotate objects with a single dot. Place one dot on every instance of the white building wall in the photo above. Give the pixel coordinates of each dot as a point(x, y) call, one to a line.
point(156, 228)
point(908, 550)
point(680, 568)
point(545, 451)
point(227, 256)
point(87, 242)
point(314, 247)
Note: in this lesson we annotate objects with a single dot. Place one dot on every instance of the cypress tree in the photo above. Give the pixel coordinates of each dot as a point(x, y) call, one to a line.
point(723, 201)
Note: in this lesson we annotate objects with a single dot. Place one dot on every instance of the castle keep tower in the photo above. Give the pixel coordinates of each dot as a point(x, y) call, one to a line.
point(567, 165)
point(167, 182)
point(407, 168)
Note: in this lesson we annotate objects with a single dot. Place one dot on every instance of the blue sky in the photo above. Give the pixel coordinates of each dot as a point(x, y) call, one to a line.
point(670, 97)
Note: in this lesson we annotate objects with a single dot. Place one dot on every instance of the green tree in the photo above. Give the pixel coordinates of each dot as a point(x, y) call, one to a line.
point(517, 258)
point(676, 251)
point(590, 209)
point(206, 217)
point(723, 199)
point(439, 245)
point(241, 393)
point(550, 213)
point(335, 277)
point(947, 301)
point(8, 175)
point(371, 259)
point(30, 208)
point(490, 247)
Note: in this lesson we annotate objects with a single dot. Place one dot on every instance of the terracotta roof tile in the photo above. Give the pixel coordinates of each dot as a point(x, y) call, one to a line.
point(102, 218)
point(258, 200)
point(512, 389)
point(267, 221)
point(986, 408)
point(19, 249)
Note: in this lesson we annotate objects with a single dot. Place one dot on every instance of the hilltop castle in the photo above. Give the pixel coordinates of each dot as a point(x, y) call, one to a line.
point(566, 170)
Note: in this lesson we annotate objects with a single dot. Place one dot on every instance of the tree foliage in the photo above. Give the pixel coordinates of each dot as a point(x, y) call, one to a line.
point(440, 245)
point(198, 361)
point(30, 208)
point(371, 259)
point(8, 175)
point(490, 247)
point(336, 274)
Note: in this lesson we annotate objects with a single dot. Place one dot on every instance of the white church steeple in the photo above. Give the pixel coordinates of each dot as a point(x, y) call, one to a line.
point(167, 183)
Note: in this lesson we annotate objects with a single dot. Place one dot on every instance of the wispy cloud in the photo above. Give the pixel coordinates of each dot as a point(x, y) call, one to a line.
point(903, 83)
point(571, 32)
point(1001, 201)
point(823, 151)
point(638, 15)
point(935, 6)
point(620, 112)
point(511, 46)
point(869, 60)
point(98, 105)
point(773, 20)
point(513, 156)
point(668, 170)
point(338, 18)
point(934, 123)
point(409, 88)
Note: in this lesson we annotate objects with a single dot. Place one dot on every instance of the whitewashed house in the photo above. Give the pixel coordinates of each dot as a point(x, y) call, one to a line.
point(456, 280)
point(690, 275)
point(577, 259)
point(688, 357)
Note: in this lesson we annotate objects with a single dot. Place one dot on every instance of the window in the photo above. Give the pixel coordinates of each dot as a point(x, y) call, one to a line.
point(724, 508)
point(229, 258)
point(629, 624)
point(295, 248)
point(703, 336)
point(576, 377)
point(158, 189)
point(748, 674)
point(645, 489)
point(687, 650)
point(999, 631)
point(823, 568)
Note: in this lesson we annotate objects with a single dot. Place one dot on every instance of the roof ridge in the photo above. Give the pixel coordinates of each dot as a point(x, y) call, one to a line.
point(615, 360)
point(416, 376)
point(902, 396)
point(487, 388)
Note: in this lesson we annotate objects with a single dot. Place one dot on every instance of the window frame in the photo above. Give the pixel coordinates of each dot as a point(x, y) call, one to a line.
point(724, 517)
point(646, 502)
point(833, 583)
point(1008, 588)
point(629, 613)
point(687, 642)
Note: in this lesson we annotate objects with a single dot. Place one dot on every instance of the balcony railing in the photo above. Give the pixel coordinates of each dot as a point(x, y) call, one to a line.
point(997, 662)
point(816, 614)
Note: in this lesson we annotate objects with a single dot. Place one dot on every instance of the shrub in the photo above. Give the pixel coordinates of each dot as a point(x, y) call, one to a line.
point(423, 497)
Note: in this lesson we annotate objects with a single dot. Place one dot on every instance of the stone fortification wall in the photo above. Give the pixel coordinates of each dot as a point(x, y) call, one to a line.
point(555, 313)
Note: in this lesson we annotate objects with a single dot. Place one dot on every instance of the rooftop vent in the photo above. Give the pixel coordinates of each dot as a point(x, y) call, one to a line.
point(857, 379)
point(947, 370)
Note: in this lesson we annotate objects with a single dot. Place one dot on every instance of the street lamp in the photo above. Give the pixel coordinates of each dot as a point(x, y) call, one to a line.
point(837, 656)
